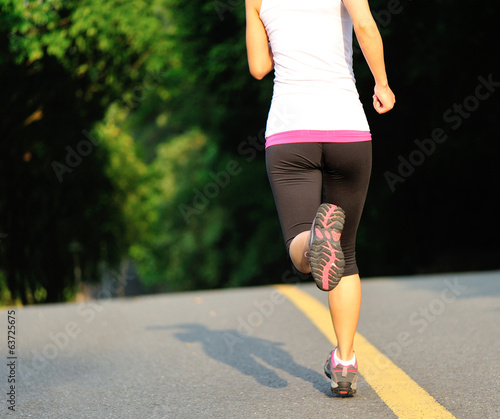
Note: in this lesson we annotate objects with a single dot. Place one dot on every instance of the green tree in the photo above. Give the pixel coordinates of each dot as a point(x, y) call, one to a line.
point(216, 223)
point(62, 64)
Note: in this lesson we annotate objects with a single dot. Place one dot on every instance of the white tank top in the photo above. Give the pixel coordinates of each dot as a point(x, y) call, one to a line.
point(314, 85)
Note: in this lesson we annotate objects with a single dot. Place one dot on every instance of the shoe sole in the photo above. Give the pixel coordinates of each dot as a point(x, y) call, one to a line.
point(342, 388)
point(326, 256)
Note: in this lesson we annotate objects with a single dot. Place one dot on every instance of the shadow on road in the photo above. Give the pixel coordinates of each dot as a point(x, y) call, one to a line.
point(248, 354)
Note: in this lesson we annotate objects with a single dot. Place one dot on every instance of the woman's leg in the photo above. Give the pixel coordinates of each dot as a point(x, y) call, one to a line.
point(346, 179)
point(295, 175)
point(298, 249)
point(345, 303)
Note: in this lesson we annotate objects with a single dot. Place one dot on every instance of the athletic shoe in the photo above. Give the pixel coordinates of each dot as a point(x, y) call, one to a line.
point(344, 379)
point(325, 254)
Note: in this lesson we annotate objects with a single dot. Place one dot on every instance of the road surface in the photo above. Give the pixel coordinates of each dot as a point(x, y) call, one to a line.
point(252, 352)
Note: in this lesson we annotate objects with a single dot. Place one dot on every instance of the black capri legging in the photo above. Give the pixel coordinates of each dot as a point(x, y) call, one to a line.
point(303, 175)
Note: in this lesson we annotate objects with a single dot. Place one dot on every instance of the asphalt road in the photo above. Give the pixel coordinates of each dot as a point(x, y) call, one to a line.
point(244, 353)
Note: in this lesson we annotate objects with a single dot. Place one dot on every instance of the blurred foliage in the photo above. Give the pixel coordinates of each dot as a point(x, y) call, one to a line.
point(135, 128)
point(217, 216)
point(63, 64)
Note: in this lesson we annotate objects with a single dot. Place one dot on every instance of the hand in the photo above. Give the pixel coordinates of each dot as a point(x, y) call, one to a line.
point(383, 99)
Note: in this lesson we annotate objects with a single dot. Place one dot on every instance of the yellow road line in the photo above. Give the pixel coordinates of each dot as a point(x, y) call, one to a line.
point(403, 395)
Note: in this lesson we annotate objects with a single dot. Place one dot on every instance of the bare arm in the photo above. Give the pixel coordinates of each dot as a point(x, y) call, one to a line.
point(260, 58)
point(370, 42)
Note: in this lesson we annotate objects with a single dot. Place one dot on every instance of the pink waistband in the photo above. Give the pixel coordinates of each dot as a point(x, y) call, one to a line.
point(316, 136)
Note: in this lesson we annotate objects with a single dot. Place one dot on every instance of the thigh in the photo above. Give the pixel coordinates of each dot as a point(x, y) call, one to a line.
point(295, 175)
point(347, 169)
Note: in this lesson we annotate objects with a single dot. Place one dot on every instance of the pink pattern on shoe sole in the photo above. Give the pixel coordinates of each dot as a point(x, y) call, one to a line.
point(331, 262)
point(336, 235)
point(331, 210)
point(329, 221)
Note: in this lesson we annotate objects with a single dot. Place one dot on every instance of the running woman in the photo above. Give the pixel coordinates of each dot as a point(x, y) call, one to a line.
point(318, 145)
